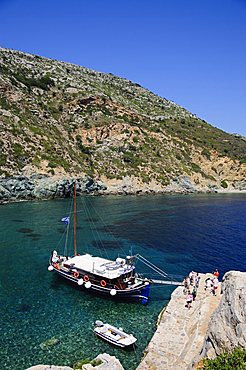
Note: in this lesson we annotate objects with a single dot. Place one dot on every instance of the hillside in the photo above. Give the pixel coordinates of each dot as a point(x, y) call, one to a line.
point(63, 120)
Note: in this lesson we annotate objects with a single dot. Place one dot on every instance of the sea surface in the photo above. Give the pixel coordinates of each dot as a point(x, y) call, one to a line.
point(177, 233)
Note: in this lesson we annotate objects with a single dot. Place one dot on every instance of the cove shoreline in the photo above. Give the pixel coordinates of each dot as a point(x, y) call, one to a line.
point(184, 337)
point(43, 187)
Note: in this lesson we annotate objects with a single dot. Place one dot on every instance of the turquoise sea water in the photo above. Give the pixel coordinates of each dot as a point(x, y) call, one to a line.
point(178, 233)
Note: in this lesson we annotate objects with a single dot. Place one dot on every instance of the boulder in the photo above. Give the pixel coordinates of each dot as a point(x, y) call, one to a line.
point(105, 362)
point(39, 186)
point(227, 327)
point(101, 362)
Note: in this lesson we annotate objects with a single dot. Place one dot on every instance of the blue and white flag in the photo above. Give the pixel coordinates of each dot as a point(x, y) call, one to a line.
point(66, 220)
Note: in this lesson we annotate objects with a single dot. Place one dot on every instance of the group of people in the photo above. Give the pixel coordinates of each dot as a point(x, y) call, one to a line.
point(212, 284)
point(191, 284)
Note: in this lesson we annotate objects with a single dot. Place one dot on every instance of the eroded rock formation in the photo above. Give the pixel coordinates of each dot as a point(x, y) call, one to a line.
point(227, 327)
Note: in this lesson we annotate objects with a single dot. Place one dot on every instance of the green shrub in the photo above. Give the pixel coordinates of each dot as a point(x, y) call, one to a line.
point(52, 165)
point(195, 167)
point(3, 159)
point(235, 360)
point(206, 153)
point(44, 82)
point(96, 362)
point(224, 184)
point(84, 149)
point(78, 365)
point(18, 149)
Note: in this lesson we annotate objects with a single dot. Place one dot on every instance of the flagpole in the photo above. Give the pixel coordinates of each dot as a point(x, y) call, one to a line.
point(65, 248)
point(74, 220)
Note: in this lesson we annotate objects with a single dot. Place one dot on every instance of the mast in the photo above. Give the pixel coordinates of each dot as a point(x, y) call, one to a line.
point(74, 220)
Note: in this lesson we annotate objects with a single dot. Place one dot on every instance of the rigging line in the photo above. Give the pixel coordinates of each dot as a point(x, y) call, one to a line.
point(59, 242)
point(67, 229)
point(89, 218)
point(151, 265)
point(106, 228)
point(94, 230)
point(143, 259)
point(80, 199)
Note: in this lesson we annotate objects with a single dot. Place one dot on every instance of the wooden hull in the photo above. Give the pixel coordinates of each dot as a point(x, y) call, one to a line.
point(139, 293)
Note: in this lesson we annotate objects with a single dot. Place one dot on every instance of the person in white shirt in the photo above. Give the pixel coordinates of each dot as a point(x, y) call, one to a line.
point(189, 299)
point(215, 282)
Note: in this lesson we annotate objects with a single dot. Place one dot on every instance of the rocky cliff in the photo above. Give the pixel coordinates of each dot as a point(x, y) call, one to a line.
point(227, 327)
point(65, 121)
point(180, 332)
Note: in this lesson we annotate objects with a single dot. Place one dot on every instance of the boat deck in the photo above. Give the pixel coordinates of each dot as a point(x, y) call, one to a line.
point(98, 266)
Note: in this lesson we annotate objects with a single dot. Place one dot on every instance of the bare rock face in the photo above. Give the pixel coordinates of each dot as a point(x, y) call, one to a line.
point(105, 362)
point(102, 362)
point(227, 328)
point(44, 187)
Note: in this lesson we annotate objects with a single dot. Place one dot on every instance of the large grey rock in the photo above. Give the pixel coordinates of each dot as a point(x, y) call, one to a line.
point(17, 188)
point(107, 363)
point(227, 327)
point(182, 184)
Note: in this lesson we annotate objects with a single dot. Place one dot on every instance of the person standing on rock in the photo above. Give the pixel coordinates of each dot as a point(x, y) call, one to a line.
point(197, 280)
point(215, 285)
point(186, 283)
point(194, 293)
point(189, 299)
point(208, 283)
point(216, 273)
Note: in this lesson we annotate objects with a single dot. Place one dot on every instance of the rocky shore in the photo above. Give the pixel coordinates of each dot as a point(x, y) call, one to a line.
point(213, 325)
point(227, 327)
point(43, 186)
point(183, 337)
point(105, 362)
point(19, 188)
point(180, 333)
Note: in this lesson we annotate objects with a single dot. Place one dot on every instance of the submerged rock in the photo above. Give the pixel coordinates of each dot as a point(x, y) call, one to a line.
point(49, 343)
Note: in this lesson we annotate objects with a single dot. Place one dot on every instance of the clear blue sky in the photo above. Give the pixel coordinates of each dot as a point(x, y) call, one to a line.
point(190, 51)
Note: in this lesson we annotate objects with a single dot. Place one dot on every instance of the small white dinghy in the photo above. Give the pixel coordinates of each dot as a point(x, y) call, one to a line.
point(114, 335)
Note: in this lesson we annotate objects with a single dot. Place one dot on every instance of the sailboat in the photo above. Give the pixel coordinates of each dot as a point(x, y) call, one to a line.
point(116, 279)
